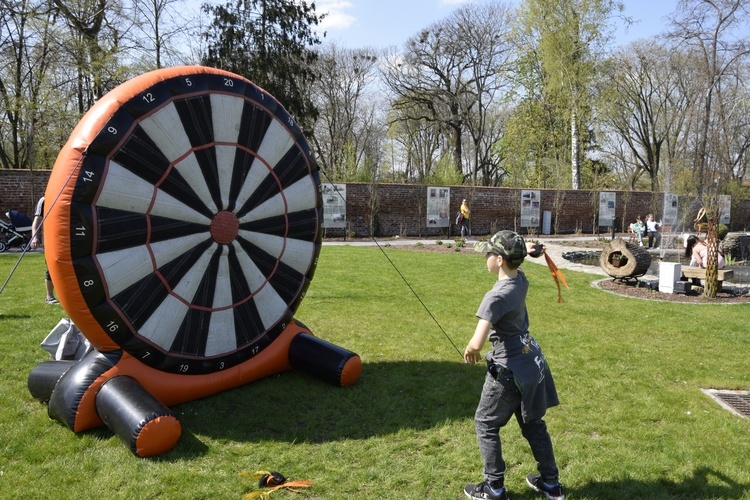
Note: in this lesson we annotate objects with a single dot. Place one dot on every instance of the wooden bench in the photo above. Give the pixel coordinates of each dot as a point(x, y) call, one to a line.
point(699, 273)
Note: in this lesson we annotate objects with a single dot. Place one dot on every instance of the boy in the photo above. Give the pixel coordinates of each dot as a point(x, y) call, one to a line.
point(518, 380)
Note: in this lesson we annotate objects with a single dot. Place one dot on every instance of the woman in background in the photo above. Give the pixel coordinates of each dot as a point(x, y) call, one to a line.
point(697, 251)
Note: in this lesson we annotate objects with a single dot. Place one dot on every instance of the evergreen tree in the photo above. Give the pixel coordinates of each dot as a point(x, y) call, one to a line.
point(270, 43)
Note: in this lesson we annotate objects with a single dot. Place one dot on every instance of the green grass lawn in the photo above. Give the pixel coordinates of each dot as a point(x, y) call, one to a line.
point(632, 423)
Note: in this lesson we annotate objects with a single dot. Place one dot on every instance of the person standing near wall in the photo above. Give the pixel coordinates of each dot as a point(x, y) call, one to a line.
point(465, 214)
point(36, 242)
point(652, 230)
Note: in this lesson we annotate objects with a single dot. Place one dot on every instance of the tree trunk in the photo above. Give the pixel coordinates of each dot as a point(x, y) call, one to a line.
point(457, 143)
point(374, 209)
point(574, 152)
point(712, 256)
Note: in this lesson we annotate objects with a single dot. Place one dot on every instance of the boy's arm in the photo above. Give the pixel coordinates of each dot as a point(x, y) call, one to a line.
point(472, 353)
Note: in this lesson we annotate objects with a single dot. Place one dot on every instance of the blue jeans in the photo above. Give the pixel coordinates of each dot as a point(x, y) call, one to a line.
point(500, 400)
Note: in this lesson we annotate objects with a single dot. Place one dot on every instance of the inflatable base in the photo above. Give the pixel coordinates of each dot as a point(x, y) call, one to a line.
point(115, 390)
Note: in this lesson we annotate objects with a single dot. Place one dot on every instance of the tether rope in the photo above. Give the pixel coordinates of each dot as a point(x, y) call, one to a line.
point(408, 285)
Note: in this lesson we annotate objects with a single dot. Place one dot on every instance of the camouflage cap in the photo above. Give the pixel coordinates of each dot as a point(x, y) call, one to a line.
point(509, 244)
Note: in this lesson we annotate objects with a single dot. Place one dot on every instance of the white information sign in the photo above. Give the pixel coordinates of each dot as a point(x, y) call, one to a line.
point(725, 209)
point(530, 205)
point(669, 217)
point(438, 204)
point(334, 205)
point(607, 208)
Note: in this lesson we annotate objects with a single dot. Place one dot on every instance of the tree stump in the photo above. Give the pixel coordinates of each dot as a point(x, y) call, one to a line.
point(623, 260)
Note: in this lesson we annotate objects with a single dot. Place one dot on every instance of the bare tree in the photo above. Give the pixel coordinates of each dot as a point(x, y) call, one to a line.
point(162, 30)
point(94, 44)
point(343, 96)
point(484, 33)
point(428, 82)
point(26, 46)
point(448, 75)
point(733, 116)
point(716, 31)
point(646, 107)
point(420, 143)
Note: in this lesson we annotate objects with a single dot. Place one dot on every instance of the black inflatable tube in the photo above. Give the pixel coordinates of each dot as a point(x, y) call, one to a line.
point(126, 407)
point(69, 391)
point(44, 377)
point(319, 358)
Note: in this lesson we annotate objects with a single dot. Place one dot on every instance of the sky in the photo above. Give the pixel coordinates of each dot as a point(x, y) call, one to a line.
point(385, 23)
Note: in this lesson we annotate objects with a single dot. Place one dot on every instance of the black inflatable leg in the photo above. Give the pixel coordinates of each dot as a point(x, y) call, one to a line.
point(66, 398)
point(145, 424)
point(324, 360)
point(44, 376)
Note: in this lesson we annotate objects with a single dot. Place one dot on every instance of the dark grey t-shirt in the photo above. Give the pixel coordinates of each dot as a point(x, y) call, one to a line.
point(505, 307)
point(514, 348)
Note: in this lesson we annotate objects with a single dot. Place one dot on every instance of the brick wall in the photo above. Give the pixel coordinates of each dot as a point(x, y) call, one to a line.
point(21, 189)
point(399, 209)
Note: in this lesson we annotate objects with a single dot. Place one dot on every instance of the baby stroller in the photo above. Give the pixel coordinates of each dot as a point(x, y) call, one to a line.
point(17, 232)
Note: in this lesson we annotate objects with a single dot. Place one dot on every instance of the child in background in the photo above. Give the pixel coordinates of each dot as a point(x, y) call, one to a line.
point(638, 228)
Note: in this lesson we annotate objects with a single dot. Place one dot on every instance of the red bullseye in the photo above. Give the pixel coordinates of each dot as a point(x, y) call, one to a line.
point(224, 227)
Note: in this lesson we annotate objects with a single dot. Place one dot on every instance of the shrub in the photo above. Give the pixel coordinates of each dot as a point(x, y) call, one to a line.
point(722, 231)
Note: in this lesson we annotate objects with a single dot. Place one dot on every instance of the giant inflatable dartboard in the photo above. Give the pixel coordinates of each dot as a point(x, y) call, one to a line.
point(183, 229)
point(192, 223)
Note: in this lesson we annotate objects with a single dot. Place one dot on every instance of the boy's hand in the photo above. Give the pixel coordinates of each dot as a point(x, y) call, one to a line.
point(535, 250)
point(472, 356)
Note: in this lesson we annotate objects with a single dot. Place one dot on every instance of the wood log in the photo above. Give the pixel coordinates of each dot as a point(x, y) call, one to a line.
point(623, 260)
